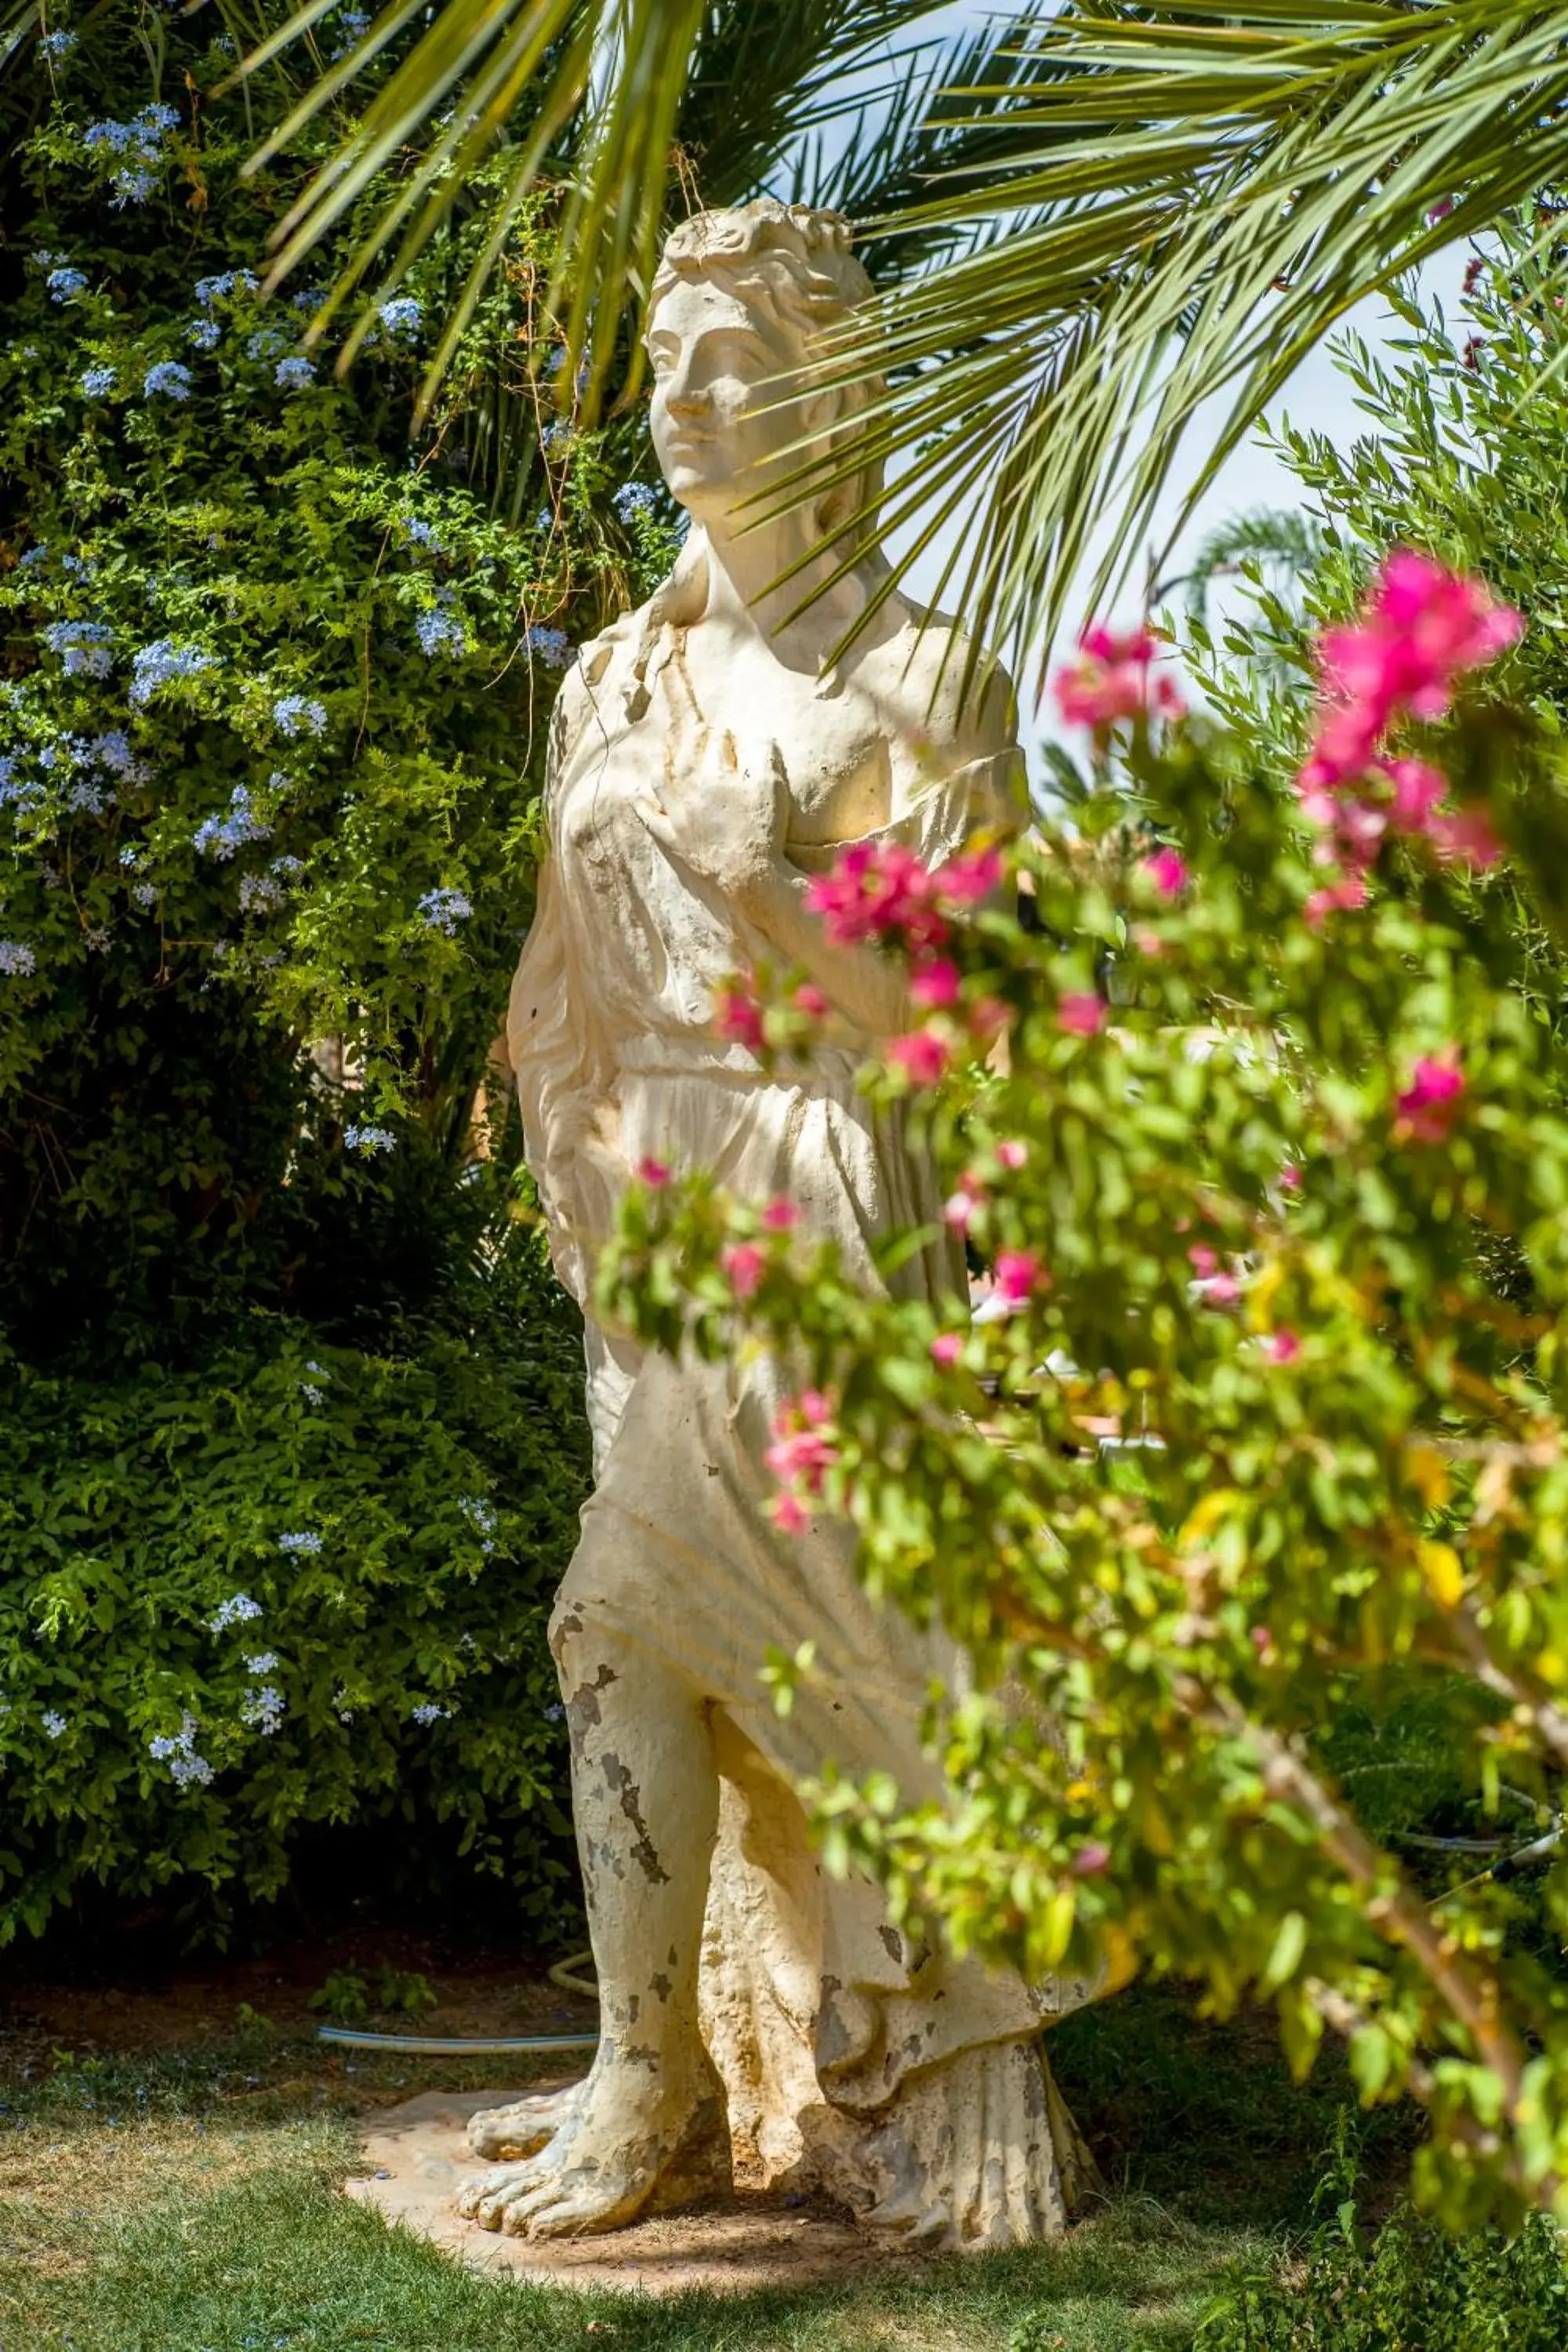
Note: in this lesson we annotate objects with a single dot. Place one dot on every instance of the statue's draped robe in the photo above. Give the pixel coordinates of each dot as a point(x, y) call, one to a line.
point(904, 2082)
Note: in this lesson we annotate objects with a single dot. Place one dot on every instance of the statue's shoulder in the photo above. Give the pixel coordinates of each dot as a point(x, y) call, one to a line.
point(958, 694)
point(601, 667)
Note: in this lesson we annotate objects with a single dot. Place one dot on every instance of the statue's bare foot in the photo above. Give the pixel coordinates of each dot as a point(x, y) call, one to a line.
point(523, 2126)
point(626, 2137)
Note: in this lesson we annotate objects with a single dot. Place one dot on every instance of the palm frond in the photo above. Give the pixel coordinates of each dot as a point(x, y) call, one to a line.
point(1281, 542)
point(605, 96)
point(1194, 192)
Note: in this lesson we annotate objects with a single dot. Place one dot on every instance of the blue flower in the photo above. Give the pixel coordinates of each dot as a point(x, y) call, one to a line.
point(265, 1662)
point(186, 1766)
point(634, 499)
point(558, 435)
point(293, 372)
point(436, 628)
point(77, 566)
point(265, 343)
point(113, 751)
point(158, 663)
point(422, 534)
point(132, 186)
point(35, 555)
point(167, 377)
point(85, 799)
point(145, 895)
point(352, 24)
point(258, 894)
point(430, 1713)
point(240, 1608)
point(262, 1710)
point(444, 909)
point(116, 137)
point(54, 1723)
point(295, 714)
point(302, 1545)
point(553, 645)
point(209, 290)
point(402, 315)
point(369, 1139)
point(220, 836)
point(63, 284)
point(83, 645)
point(159, 118)
point(58, 46)
point(16, 962)
point(96, 382)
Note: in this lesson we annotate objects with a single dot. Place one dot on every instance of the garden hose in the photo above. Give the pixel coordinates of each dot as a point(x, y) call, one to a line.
point(482, 2045)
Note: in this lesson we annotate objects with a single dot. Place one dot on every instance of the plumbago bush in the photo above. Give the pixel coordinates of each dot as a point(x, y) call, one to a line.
point(290, 1443)
point(1266, 1185)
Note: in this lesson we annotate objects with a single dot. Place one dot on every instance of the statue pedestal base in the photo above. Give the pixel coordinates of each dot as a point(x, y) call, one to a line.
point(727, 2245)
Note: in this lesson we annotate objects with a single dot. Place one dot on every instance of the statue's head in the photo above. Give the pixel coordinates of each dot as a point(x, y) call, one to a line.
point(741, 300)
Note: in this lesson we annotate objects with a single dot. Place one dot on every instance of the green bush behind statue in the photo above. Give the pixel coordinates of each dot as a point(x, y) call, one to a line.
point(290, 1445)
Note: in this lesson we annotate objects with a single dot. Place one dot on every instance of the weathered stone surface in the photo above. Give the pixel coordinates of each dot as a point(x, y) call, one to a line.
point(708, 755)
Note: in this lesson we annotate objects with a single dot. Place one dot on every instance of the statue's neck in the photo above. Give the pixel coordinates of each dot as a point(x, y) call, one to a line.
point(745, 592)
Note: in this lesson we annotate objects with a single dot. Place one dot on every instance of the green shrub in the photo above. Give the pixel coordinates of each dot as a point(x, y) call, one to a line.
point(1405, 2287)
point(274, 680)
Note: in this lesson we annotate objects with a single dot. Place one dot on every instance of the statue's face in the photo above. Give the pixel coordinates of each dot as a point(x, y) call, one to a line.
point(713, 360)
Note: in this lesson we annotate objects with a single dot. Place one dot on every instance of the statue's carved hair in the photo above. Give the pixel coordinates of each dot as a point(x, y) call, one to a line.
point(794, 264)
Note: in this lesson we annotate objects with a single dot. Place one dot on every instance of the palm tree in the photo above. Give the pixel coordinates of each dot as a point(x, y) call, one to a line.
point(1121, 209)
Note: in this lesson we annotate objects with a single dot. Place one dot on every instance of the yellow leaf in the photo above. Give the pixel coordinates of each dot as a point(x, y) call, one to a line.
point(1444, 1571)
point(1211, 1508)
point(1121, 1959)
point(1429, 1473)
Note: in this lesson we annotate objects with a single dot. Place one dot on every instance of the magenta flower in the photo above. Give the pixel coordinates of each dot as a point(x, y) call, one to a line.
point(738, 1016)
point(1334, 898)
point(1464, 838)
point(1018, 1275)
point(653, 1173)
point(809, 999)
point(965, 881)
point(1203, 1259)
point(1012, 1153)
point(802, 1452)
point(1284, 1347)
point(935, 984)
point(877, 891)
point(745, 1262)
point(789, 1514)
point(1114, 680)
point(781, 1216)
point(1167, 869)
point(947, 1347)
point(923, 1056)
point(1428, 1105)
point(1090, 1861)
point(1080, 1014)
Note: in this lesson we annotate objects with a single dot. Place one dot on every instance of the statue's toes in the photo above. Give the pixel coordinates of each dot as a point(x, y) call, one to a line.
point(561, 2210)
point(519, 2129)
point(486, 2197)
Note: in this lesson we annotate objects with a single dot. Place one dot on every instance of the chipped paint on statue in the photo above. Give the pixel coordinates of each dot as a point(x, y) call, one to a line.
point(759, 2022)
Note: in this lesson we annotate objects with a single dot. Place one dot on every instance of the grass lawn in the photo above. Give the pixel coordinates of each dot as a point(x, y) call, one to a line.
point(189, 2203)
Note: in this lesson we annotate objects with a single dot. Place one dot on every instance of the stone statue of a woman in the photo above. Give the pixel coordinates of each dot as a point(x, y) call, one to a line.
point(707, 758)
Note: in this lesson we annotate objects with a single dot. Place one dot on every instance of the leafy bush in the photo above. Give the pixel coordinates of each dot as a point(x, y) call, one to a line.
point(1405, 2287)
point(1278, 1102)
point(273, 686)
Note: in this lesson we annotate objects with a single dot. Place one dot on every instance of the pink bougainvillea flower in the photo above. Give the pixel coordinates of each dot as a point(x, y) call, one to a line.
point(1291, 1177)
point(1336, 898)
point(1426, 1108)
point(1221, 1290)
point(936, 983)
point(745, 1262)
point(958, 1210)
point(1464, 838)
point(1018, 1275)
point(809, 999)
point(1012, 1153)
point(923, 1056)
point(1262, 1640)
point(789, 1514)
point(1080, 1014)
point(1090, 1861)
point(653, 1173)
point(1114, 680)
point(877, 891)
point(738, 1016)
point(947, 1347)
point(1284, 1347)
point(1421, 627)
point(965, 881)
point(1417, 787)
point(1203, 1259)
point(1167, 870)
point(781, 1216)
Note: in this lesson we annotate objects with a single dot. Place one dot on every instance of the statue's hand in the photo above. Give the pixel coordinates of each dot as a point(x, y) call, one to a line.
point(727, 821)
